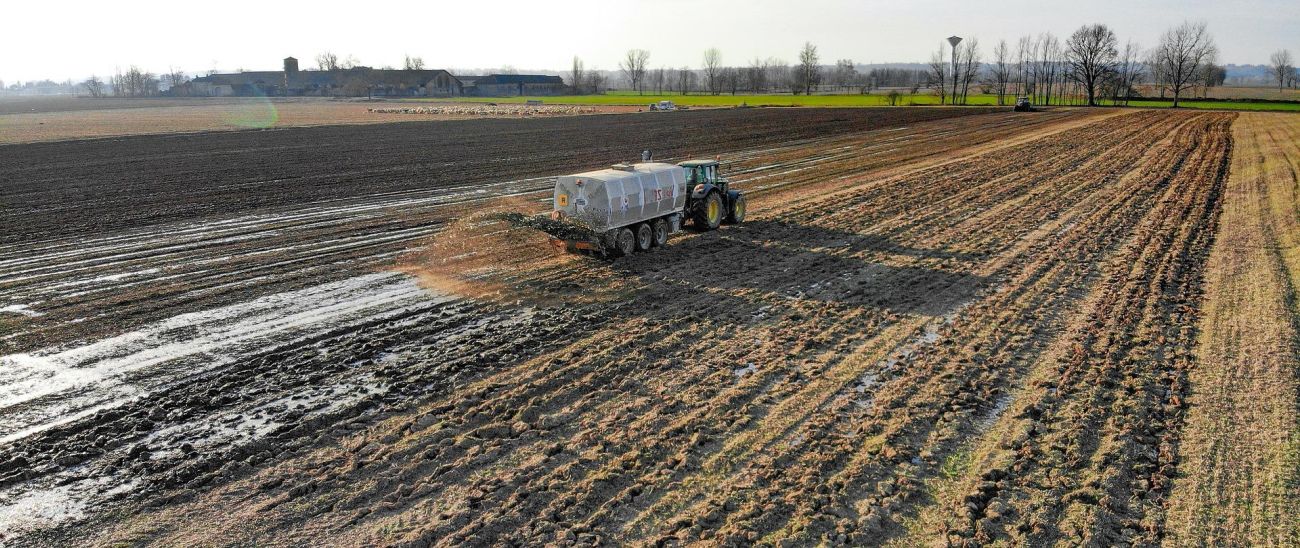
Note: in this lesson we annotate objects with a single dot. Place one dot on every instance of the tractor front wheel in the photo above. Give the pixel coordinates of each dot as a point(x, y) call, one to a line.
point(736, 214)
point(708, 214)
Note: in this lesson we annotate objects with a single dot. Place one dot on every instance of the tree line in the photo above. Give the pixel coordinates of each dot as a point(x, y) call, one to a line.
point(1086, 67)
point(758, 76)
point(135, 82)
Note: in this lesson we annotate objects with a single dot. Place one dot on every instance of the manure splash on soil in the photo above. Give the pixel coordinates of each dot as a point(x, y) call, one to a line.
point(496, 255)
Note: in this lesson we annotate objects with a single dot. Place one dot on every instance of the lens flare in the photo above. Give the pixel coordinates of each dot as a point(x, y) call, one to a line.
point(257, 112)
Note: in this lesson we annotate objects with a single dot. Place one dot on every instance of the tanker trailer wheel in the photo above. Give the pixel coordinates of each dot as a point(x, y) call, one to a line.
point(708, 215)
point(624, 242)
point(736, 214)
point(660, 228)
point(644, 237)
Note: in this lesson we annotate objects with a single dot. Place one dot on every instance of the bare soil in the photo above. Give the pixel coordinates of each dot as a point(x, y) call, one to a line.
point(937, 327)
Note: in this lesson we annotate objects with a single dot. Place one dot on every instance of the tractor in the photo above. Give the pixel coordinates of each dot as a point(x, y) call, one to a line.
point(711, 201)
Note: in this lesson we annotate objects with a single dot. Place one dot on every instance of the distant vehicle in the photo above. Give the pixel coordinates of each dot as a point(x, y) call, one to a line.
point(663, 105)
point(1022, 104)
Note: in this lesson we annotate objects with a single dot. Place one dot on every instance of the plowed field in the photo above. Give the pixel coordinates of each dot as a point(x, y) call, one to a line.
point(1028, 328)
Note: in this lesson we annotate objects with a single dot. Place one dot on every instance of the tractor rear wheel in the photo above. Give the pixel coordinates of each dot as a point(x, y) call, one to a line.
point(644, 237)
point(660, 228)
point(736, 214)
point(708, 214)
point(624, 242)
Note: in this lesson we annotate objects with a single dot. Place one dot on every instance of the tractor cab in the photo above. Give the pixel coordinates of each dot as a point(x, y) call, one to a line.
point(704, 172)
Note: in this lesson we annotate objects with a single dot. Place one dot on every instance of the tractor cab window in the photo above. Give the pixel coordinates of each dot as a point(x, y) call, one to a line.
point(702, 174)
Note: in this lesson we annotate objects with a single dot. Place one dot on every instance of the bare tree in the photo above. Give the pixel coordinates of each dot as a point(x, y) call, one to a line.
point(845, 73)
point(94, 86)
point(1128, 71)
point(576, 79)
point(1182, 55)
point(175, 77)
point(968, 64)
point(730, 79)
point(659, 78)
point(1091, 53)
point(685, 80)
point(327, 61)
point(1000, 70)
point(756, 75)
point(713, 70)
point(809, 71)
point(135, 83)
point(595, 81)
point(633, 67)
point(1283, 67)
point(1047, 68)
point(412, 63)
point(937, 77)
point(1024, 56)
point(1156, 71)
point(1212, 74)
point(778, 73)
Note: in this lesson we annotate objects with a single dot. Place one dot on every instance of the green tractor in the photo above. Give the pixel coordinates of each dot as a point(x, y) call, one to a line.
point(711, 201)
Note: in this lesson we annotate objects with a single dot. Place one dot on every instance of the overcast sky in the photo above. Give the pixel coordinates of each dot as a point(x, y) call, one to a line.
point(75, 38)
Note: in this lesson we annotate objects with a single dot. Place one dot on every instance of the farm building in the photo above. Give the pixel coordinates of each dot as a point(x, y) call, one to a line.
point(365, 81)
point(353, 81)
point(508, 85)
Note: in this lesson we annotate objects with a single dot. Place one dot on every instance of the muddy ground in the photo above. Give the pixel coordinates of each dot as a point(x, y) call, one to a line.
point(932, 328)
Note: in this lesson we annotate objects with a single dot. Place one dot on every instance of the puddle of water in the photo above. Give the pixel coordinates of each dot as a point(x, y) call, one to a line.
point(999, 407)
point(930, 336)
point(108, 278)
point(868, 381)
point(20, 309)
point(34, 509)
point(247, 424)
point(45, 387)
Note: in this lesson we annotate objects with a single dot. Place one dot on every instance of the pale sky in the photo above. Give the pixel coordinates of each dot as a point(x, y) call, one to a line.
point(75, 38)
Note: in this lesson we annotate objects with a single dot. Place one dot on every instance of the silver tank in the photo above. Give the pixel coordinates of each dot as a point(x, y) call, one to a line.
point(622, 195)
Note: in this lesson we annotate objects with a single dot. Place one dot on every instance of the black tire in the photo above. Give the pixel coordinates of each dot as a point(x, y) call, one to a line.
point(644, 237)
point(708, 213)
point(660, 228)
point(736, 213)
point(624, 242)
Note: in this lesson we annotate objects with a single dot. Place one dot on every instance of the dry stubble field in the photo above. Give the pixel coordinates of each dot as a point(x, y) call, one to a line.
point(45, 119)
point(1065, 328)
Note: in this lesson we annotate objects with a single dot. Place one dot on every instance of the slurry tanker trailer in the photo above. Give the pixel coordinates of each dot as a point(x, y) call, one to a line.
point(634, 207)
